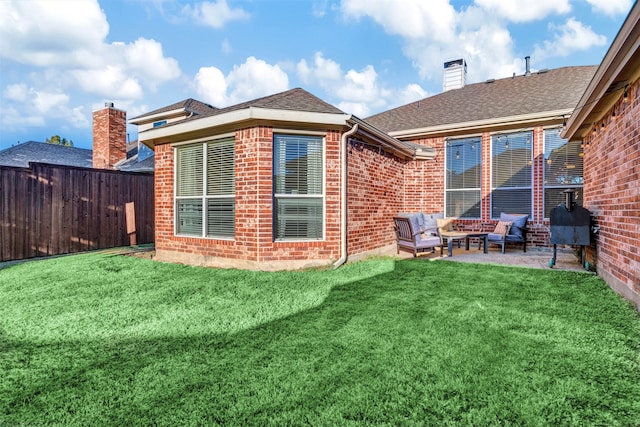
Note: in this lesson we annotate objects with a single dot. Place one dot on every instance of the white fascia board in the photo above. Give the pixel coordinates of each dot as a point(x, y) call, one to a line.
point(624, 46)
point(252, 113)
point(522, 119)
point(155, 117)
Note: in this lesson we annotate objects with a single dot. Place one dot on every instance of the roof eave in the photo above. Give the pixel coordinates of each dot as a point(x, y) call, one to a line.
point(166, 134)
point(153, 117)
point(595, 102)
point(477, 125)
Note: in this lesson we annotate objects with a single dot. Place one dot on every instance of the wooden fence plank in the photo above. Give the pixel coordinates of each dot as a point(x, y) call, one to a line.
point(52, 209)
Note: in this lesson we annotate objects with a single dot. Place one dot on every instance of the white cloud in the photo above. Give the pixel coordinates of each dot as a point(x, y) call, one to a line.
point(571, 37)
point(525, 10)
point(144, 58)
point(611, 7)
point(110, 82)
point(215, 15)
point(356, 92)
point(414, 19)
point(211, 86)
point(16, 92)
point(47, 33)
point(253, 79)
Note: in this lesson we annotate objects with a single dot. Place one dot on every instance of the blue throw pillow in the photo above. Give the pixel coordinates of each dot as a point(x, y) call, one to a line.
point(518, 223)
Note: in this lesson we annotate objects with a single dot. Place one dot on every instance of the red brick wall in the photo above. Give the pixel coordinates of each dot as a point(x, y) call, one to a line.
point(375, 193)
point(424, 186)
point(253, 242)
point(109, 137)
point(612, 194)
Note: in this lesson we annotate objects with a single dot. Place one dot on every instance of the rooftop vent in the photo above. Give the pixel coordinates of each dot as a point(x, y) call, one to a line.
point(108, 104)
point(455, 74)
point(527, 61)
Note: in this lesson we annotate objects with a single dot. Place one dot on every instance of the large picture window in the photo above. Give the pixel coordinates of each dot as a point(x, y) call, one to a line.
point(298, 187)
point(562, 170)
point(463, 177)
point(511, 160)
point(205, 189)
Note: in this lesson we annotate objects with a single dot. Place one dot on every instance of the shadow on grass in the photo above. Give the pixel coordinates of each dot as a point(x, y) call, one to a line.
point(426, 343)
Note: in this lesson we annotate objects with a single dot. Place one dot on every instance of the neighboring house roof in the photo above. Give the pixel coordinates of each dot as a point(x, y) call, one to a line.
point(38, 152)
point(553, 91)
point(133, 165)
point(619, 68)
point(189, 105)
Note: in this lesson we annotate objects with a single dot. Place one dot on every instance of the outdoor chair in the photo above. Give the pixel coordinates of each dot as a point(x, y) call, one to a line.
point(411, 238)
point(511, 228)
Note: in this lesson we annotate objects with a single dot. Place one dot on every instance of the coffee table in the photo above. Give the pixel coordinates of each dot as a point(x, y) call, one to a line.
point(450, 236)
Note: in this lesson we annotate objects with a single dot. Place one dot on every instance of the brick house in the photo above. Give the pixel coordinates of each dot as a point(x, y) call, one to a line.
point(499, 148)
point(607, 124)
point(471, 152)
point(267, 184)
point(288, 180)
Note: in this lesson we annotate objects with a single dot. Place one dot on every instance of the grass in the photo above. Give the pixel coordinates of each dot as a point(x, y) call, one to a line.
point(113, 340)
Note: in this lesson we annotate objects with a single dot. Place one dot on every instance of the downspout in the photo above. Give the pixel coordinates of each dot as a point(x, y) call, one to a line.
point(343, 196)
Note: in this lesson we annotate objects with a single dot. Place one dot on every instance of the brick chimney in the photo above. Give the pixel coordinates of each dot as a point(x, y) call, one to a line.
point(109, 136)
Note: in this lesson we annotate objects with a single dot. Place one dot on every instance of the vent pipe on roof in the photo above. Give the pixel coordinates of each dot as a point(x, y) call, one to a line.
point(527, 61)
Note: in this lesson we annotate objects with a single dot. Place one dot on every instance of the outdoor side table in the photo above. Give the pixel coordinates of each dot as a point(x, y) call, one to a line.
point(450, 236)
point(482, 237)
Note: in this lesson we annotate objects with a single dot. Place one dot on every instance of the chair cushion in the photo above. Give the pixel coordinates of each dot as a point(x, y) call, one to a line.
point(430, 224)
point(495, 237)
point(502, 228)
point(518, 223)
point(415, 223)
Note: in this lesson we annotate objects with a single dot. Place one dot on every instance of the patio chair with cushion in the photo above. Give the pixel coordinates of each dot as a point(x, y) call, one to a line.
point(411, 238)
point(511, 228)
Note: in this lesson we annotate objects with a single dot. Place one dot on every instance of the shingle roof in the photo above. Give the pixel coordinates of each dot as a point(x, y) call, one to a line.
point(39, 152)
point(550, 90)
point(189, 104)
point(294, 99)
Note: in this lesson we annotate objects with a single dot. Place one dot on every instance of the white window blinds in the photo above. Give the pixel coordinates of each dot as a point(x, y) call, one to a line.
point(205, 189)
point(298, 186)
point(511, 166)
point(562, 169)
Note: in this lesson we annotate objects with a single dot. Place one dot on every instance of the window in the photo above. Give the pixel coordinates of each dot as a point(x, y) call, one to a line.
point(511, 160)
point(298, 187)
point(160, 123)
point(562, 169)
point(205, 189)
point(463, 177)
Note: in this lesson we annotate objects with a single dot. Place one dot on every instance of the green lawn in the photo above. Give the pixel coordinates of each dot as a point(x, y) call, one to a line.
point(113, 340)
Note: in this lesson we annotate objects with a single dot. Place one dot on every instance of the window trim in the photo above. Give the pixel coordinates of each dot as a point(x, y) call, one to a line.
point(204, 197)
point(322, 197)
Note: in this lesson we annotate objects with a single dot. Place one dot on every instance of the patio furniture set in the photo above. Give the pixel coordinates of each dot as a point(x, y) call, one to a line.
point(419, 232)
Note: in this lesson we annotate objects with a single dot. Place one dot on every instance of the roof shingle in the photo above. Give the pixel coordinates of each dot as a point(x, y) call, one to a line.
point(550, 90)
point(39, 152)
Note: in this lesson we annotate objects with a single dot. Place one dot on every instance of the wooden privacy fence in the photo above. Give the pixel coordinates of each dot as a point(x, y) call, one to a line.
point(50, 210)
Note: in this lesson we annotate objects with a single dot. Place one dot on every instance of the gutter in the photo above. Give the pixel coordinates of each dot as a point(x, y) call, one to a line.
point(343, 196)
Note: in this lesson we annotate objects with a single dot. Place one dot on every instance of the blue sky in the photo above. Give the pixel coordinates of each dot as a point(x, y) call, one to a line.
point(62, 59)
